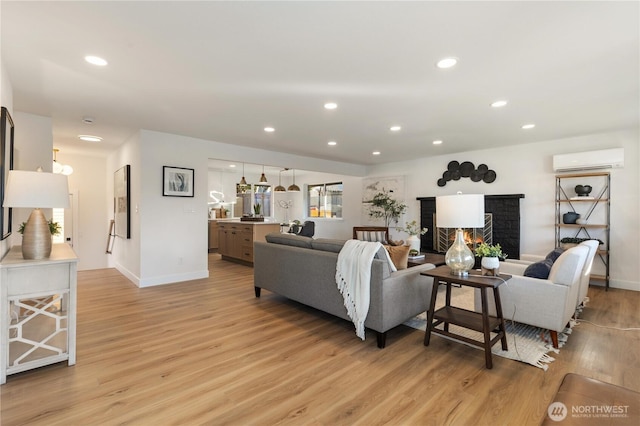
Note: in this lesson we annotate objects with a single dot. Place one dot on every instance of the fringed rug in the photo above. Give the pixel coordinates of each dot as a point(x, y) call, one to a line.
point(526, 343)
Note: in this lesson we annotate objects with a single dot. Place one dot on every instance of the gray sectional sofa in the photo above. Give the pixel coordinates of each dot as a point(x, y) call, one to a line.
point(303, 269)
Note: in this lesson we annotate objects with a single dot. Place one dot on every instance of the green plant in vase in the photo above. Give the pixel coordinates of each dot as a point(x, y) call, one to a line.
point(386, 208)
point(54, 227)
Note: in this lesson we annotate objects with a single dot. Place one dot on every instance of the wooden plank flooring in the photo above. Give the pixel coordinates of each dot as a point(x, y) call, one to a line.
point(209, 352)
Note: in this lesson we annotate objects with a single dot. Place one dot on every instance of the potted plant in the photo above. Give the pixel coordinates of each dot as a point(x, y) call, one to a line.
point(385, 207)
point(491, 256)
point(256, 210)
point(413, 229)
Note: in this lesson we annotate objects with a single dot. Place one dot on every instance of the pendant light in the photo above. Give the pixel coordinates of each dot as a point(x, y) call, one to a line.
point(263, 178)
point(243, 181)
point(280, 188)
point(293, 187)
point(59, 168)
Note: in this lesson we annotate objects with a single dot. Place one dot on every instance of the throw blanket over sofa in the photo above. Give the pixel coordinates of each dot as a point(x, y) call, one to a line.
point(304, 269)
point(353, 274)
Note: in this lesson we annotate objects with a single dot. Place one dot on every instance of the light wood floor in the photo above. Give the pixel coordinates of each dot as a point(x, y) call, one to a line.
point(209, 352)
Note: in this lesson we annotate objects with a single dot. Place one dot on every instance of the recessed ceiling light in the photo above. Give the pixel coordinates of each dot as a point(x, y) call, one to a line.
point(376, 152)
point(498, 104)
point(332, 143)
point(90, 138)
point(438, 142)
point(95, 60)
point(528, 126)
point(331, 105)
point(232, 165)
point(395, 128)
point(269, 129)
point(446, 62)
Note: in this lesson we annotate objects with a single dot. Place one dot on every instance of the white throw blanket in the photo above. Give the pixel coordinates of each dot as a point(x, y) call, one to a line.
point(353, 277)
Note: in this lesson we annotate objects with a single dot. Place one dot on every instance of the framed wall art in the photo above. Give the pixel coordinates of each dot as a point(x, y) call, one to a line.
point(177, 182)
point(122, 201)
point(6, 164)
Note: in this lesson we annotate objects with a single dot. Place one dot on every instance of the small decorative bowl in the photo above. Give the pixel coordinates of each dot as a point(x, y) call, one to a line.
point(583, 190)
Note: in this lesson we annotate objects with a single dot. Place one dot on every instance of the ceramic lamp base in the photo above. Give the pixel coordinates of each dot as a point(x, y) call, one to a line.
point(36, 239)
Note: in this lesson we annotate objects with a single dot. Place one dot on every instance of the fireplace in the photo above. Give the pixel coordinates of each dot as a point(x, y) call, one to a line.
point(502, 225)
point(443, 237)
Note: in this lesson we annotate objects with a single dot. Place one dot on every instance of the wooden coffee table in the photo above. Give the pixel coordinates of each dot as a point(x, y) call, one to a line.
point(434, 258)
point(482, 322)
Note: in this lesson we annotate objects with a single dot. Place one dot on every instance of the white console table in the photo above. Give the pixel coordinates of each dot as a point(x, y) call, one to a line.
point(37, 310)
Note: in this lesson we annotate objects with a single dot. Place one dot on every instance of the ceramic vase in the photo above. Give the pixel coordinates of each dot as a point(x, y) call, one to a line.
point(490, 265)
point(414, 242)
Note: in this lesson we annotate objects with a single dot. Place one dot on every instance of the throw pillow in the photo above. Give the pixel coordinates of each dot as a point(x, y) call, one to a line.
point(539, 269)
point(554, 254)
point(374, 236)
point(399, 256)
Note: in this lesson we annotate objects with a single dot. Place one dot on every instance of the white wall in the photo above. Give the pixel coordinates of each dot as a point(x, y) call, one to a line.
point(33, 148)
point(169, 239)
point(527, 169)
point(6, 100)
point(126, 252)
point(89, 181)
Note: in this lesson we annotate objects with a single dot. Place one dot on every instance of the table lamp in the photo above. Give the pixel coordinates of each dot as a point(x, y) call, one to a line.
point(460, 211)
point(36, 190)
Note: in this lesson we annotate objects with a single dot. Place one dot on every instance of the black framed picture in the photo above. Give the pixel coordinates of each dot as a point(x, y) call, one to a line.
point(177, 182)
point(122, 201)
point(6, 164)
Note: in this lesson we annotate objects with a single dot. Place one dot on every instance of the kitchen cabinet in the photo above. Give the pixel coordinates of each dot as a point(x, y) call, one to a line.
point(213, 235)
point(236, 238)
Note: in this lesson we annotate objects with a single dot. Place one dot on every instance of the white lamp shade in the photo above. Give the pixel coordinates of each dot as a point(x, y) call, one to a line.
point(460, 211)
point(36, 190)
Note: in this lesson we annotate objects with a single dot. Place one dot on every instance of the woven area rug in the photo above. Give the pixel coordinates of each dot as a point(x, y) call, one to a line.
point(526, 343)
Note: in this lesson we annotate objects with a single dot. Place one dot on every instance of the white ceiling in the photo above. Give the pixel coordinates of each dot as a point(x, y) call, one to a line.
point(222, 71)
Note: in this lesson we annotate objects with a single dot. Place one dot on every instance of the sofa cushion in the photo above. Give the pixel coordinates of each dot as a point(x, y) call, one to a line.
point(327, 244)
point(539, 269)
point(375, 236)
point(554, 254)
point(289, 239)
point(399, 255)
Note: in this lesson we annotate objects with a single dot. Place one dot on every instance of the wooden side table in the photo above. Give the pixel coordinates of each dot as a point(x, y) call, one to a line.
point(482, 322)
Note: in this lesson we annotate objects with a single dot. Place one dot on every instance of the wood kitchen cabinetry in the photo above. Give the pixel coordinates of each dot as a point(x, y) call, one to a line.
point(213, 235)
point(235, 239)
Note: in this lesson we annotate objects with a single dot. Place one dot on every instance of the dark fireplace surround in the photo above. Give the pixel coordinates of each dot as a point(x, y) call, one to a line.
point(505, 212)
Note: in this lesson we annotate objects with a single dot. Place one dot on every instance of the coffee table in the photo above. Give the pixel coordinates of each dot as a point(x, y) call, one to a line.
point(434, 258)
point(482, 322)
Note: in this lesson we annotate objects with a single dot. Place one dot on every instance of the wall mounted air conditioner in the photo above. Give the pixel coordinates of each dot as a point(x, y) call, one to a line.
point(590, 160)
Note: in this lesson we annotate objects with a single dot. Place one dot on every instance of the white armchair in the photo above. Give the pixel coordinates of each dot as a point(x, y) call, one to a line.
point(527, 259)
point(545, 303)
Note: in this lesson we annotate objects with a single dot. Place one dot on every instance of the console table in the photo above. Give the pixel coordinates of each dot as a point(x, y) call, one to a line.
point(481, 322)
point(38, 298)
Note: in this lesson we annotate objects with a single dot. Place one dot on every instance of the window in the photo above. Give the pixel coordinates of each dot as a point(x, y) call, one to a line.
point(325, 200)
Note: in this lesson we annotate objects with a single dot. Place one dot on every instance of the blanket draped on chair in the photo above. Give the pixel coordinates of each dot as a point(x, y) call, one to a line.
point(353, 276)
